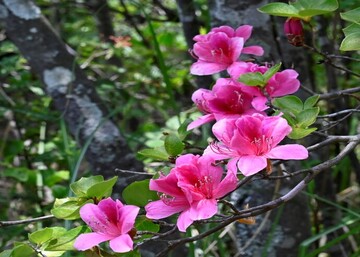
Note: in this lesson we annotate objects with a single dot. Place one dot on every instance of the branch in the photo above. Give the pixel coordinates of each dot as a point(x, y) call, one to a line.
point(339, 93)
point(330, 62)
point(19, 222)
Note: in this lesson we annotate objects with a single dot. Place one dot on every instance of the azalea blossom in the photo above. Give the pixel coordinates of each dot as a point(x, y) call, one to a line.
point(110, 221)
point(251, 140)
point(280, 84)
point(294, 31)
point(192, 189)
point(227, 99)
point(220, 48)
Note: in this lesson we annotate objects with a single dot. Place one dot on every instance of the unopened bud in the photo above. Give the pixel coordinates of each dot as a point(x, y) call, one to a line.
point(294, 31)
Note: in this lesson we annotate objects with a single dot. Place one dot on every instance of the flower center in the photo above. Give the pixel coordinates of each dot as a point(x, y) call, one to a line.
point(167, 199)
point(262, 144)
point(205, 186)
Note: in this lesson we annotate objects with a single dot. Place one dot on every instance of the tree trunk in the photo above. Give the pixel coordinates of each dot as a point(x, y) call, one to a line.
point(191, 28)
point(281, 233)
point(73, 94)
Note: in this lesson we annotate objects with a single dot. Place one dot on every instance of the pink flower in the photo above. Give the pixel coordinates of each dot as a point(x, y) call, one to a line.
point(111, 221)
point(244, 32)
point(281, 83)
point(294, 31)
point(226, 100)
point(192, 188)
point(220, 48)
point(250, 141)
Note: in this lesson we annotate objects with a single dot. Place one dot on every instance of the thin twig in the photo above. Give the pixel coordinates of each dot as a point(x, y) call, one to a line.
point(18, 222)
point(335, 114)
point(339, 93)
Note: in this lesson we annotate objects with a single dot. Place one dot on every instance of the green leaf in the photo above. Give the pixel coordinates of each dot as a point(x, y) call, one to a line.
point(307, 117)
point(351, 42)
point(252, 79)
point(280, 9)
point(352, 15)
point(65, 241)
point(139, 194)
point(19, 173)
point(353, 28)
point(182, 130)
point(298, 133)
point(311, 8)
point(81, 186)
point(101, 189)
point(311, 101)
point(144, 224)
point(53, 177)
point(23, 250)
point(289, 103)
point(41, 236)
point(271, 72)
point(68, 208)
point(6, 253)
point(303, 9)
point(155, 153)
point(173, 145)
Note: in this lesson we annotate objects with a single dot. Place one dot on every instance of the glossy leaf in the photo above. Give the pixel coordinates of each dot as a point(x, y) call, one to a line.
point(101, 189)
point(81, 186)
point(252, 79)
point(271, 72)
point(182, 130)
point(352, 15)
point(298, 133)
point(138, 193)
point(41, 236)
point(144, 224)
point(311, 101)
point(353, 28)
point(289, 103)
point(351, 42)
point(311, 8)
point(280, 9)
point(23, 250)
point(307, 117)
point(173, 145)
point(155, 153)
point(68, 208)
point(65, 241)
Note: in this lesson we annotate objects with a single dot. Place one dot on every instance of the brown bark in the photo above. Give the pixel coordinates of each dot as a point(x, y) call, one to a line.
point(191, 28)
point(72, 93)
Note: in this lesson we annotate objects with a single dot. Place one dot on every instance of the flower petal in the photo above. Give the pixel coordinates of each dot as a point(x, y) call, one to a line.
point(121, 244)
point(255, 50)
point(184, 221)
point(207, 68)
point(203, 209)
point(289, 152)
point(201, 121)
point(96, 219)
point(126, 217)
point(259, 103)
point(109, 207)
point(167, 185)
point(158, 209)
point(249, 165)
point(89, 240)
point(228, 184)
point(244, 31)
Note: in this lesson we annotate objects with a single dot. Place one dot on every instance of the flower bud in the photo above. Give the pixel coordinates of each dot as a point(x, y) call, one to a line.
point(294, 31)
